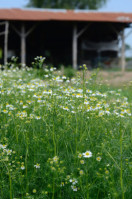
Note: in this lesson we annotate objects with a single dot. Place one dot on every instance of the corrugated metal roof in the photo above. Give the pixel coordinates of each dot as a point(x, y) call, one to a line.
point(63, 15)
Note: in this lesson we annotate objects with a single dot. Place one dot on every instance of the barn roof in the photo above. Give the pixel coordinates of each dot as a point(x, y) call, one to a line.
point(63, 15)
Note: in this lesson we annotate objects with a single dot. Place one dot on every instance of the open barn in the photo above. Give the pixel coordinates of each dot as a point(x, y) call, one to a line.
point(68, 37)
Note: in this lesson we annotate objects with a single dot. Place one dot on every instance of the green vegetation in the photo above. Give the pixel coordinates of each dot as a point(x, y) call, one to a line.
point(69, 72)
point(63, 138)
point(67, 4)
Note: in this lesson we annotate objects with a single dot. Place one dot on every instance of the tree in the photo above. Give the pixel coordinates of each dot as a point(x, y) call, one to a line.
point(67, 4)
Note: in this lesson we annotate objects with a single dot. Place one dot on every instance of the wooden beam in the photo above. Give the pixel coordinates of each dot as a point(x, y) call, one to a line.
point(23, 34)
point(23, 45)
point(123, 51)
point(74, 47)
point(75, 37)
point(31, 30)
point(16, 30)
point(83, 30)
point(2, 33)
point(113, 28)
point(26, 33)
point(2, 23)
point(6, 42)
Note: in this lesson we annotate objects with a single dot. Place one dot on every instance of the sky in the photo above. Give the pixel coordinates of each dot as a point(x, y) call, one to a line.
point(110, 6)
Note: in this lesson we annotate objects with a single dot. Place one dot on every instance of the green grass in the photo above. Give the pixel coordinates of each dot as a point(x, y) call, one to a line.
point(48, 123)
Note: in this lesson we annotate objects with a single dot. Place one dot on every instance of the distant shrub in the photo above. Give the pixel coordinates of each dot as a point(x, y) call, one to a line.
point(69, 72)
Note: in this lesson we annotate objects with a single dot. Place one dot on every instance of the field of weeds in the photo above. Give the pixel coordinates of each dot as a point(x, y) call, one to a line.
point(64, 138)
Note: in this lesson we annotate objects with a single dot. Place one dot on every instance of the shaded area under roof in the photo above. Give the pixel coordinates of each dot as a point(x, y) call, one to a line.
point(63, 15)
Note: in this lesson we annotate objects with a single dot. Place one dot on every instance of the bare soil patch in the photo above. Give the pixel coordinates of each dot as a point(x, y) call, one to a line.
point(114, 78)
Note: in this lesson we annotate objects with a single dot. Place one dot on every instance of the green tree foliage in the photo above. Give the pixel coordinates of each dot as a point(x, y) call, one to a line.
point(67, 4)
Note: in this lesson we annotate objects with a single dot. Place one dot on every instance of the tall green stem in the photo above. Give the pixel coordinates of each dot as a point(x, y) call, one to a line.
point(121, 164)
point(10, 186)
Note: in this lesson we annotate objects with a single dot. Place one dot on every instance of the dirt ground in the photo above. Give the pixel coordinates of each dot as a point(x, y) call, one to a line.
point(116, 78)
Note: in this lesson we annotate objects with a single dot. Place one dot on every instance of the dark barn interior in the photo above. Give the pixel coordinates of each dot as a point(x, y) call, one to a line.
point(69, 38)
point(99, 38)
point(53, 40)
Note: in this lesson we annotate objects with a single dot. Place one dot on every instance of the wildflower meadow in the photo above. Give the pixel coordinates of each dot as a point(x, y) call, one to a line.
point(63, 138)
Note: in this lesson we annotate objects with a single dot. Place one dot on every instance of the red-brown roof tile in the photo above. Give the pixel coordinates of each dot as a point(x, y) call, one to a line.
point(63, 15)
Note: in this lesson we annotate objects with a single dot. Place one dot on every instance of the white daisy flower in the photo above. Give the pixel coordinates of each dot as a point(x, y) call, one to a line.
point(22, 167)
point(74, 188)
point(37, 166)
point(87, 154)
point(98, 159)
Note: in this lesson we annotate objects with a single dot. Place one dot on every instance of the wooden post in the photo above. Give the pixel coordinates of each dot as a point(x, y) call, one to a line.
point(23, 45)
point(74, 47)
point(123, 51)
point(23, 34)
point(6, 42)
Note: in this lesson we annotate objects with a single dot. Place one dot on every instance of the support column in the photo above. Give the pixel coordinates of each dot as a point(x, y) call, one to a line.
point(123, 51)
point(6, 42)
point(23, 45)
point(23, 35)
point(74, 47)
